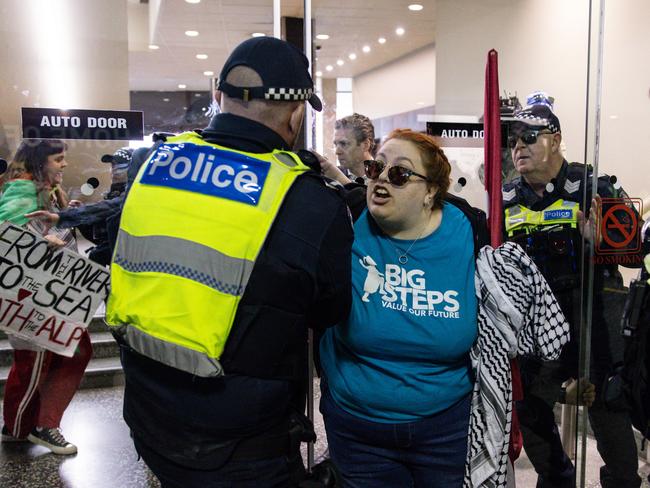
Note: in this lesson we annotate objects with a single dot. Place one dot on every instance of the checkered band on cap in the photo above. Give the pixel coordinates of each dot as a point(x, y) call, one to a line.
point(532, 119)
point(539, 116)
point(290, 94)
point(122, 153)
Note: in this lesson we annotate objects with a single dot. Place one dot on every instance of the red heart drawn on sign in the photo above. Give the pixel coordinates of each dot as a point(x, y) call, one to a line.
point(22, 294)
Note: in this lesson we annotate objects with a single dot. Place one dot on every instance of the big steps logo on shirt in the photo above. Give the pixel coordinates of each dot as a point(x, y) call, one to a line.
point(207, 170)
point(406, 291)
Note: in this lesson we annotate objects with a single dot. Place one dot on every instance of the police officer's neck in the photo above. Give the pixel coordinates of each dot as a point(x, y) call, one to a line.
point(539, 180)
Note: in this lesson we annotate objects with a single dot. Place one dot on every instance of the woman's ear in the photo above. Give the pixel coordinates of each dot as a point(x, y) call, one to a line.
point(430, 197)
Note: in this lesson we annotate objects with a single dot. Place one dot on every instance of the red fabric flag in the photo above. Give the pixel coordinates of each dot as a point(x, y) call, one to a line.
point(493, 181)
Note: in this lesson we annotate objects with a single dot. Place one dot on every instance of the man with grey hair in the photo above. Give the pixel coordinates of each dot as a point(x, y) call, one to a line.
point(354, 142)
point(228, 249)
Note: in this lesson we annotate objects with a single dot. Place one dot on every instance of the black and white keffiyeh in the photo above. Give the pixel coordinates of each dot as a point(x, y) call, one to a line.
point(517, 314)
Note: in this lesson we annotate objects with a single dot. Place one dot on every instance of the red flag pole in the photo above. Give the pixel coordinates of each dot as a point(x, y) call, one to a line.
point(492, 149)
point(493, 182)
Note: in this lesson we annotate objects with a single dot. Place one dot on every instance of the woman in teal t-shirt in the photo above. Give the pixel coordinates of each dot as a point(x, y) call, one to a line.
point(397, 374)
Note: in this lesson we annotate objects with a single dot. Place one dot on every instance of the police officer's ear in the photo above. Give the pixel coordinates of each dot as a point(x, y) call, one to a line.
point(217, 97)
point(556, 142)
point(295, 121)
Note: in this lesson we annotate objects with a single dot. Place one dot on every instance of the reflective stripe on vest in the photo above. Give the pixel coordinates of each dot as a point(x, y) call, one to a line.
point(192, 227)
point(183, 258)
point(520, 218)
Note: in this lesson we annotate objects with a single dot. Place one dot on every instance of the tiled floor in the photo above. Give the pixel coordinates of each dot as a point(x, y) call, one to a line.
point(106, 458)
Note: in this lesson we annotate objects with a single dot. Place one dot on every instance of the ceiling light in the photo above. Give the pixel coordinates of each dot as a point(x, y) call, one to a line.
point(319, 74)
point(208, 73)
point(340, 62)
point(201, 56)
point(381, 40)
point(416, 7)
point(258, 34)
point(352, 56)
point(400, 31)
point(181, 86)
point(322, 37)
point(191, 33)
point(165, 99)
point(153, 47)
point(329, 67)
point(366, 49)
point(193, 1)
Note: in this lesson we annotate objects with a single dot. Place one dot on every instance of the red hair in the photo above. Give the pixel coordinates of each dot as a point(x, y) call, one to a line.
point(435, 162)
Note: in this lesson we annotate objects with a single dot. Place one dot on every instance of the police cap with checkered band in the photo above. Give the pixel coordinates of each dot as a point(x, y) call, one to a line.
point(538, 113)
point(283, 68)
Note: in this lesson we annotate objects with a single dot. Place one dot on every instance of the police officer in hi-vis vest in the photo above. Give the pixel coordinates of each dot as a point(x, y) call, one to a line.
point(544, 213)
point(229, 247)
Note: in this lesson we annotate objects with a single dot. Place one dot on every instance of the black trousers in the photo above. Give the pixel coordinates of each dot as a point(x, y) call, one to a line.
point(612, 429)
point(275, 472)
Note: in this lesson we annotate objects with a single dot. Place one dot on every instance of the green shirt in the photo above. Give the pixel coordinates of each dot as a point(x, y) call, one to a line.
point(18, 198)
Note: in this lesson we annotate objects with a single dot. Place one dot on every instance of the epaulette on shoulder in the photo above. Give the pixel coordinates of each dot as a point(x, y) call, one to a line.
point(161, 136)
point(576, 171)
point(309, 159)
point(509, 191)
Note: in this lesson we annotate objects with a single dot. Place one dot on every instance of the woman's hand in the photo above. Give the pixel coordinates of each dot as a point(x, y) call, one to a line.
point(331, 170)
point(75, 203)
point(53, 241)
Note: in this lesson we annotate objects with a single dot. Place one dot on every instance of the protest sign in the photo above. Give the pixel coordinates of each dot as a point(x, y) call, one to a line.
point(47, 296)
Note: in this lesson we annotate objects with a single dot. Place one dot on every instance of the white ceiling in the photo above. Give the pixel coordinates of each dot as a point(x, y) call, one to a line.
point(222, 24)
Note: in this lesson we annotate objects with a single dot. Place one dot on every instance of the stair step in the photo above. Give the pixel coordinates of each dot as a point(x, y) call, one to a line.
point(104, 346)
point(97, 324)
point(100, 373)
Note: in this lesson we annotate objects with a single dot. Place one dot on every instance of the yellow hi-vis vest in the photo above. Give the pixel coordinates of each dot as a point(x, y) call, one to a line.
point(519, 218)
point(192, 227)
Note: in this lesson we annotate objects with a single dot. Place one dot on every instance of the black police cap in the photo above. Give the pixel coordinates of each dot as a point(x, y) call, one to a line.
point(283, 68)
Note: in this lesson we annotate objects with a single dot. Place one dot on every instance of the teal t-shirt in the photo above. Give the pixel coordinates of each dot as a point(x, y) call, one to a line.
point(403, 353)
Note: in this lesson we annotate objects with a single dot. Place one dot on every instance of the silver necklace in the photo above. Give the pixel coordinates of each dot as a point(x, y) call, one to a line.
point(403, 256)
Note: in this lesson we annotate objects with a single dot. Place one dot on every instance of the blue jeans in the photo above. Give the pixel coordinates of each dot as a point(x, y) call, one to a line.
point(276, 472)
point(427, 453)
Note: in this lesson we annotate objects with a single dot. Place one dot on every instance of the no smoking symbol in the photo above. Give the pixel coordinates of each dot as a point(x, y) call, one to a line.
point(619, 226)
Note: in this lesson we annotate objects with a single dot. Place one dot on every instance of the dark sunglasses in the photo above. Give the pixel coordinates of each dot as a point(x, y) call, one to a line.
point(528, 137)
point(397, 175)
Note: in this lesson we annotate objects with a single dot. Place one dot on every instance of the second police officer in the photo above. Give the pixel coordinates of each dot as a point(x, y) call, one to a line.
point(544, 213)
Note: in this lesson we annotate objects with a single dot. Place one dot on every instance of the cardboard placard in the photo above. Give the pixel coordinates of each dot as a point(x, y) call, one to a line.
point(47, 296)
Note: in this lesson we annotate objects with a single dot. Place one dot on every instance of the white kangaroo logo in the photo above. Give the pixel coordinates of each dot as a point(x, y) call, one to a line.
point(374, 281)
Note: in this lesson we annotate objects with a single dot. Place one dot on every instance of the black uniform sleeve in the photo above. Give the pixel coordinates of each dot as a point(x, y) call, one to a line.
point(355, 197)
point(89, 214)
point(334, 282)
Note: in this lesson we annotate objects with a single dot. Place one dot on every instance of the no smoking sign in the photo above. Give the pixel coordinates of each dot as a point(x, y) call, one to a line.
point(618, 227)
